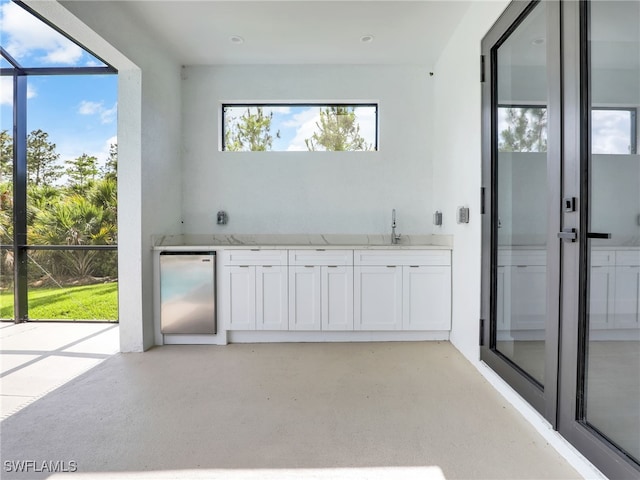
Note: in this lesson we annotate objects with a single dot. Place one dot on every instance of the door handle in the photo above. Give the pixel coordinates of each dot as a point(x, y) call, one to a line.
point(569, 234)
point(598, 235)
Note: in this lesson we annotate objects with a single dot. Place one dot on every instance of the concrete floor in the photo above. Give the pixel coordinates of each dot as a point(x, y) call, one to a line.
point(280, 411)
point(36, 358)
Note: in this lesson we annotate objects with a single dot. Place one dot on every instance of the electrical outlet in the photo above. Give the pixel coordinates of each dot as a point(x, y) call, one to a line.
point(222, 218)
point(463, 214)
point(437, 218)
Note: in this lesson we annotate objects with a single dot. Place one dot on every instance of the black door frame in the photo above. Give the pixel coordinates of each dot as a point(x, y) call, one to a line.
point(568, 169)
point(542, 398)
point(575, 257)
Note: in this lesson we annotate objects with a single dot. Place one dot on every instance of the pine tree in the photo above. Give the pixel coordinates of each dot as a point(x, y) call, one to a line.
point(338, 130)
point(526, 130)
point(6, 156)
point(42, 167)
point(110, 168)
point(82, 172)
point(251, 132)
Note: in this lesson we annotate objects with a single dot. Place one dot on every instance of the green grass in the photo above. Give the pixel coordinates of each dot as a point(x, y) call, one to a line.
point(88, 302)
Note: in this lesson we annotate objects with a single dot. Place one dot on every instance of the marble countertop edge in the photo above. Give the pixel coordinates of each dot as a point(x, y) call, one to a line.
point(290, 242)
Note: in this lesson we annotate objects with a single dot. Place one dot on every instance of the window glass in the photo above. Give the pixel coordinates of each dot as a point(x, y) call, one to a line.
point(522, 129)
point(33, 43)
point(297, 127)
point(613, 131)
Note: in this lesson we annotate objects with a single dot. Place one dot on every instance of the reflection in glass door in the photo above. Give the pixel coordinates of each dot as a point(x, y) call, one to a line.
point(521, 179)
point(561, 223)
point(611, 382)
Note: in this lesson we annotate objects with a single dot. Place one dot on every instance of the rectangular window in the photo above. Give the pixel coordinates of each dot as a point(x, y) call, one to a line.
point(614, 131)
point(299, 127)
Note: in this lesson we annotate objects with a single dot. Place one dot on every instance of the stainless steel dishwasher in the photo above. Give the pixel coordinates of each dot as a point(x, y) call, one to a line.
point(188, 292)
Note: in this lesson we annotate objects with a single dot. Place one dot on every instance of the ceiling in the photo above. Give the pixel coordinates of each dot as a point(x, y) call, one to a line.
point(300, 31)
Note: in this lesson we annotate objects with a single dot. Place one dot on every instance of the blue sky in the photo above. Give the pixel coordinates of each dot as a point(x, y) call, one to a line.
point(78, 112)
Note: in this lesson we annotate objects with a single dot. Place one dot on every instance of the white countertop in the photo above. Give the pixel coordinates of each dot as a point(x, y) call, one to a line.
point(293, 241)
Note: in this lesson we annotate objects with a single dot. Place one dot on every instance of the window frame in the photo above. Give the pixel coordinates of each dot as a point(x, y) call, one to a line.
point(225, 105)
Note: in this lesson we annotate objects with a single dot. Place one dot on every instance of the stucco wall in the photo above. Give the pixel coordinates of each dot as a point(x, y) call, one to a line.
point(457, 171)
point(309, 192)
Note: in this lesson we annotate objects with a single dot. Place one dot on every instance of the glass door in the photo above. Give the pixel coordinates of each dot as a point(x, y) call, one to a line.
point(520, 188)
point(561, 224)
point(609, 385)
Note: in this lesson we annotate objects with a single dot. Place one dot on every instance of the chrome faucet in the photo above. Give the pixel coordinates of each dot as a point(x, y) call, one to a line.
point(395, 237)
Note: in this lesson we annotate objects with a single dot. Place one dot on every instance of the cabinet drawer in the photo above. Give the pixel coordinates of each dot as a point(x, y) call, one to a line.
point(628, 258)
point(405, 257)
point(321, 257)
point(508, 257)
point(254, 257)
point(602, 258)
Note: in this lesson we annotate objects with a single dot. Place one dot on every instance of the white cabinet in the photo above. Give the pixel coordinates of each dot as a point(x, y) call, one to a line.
point(601, 290)
point(336, 290)
point(337, 297)
point(271, 298)
point(521, 303)
point(627, 297)
point(378, 297)
point(320, 290)
point(426, 297)
point(239, 305)
point(254, 286)
point(402, 290)
point(305, 307)
point(528, 303)
point(627, 291)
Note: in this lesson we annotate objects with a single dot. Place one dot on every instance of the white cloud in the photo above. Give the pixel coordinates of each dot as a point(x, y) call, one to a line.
point(611, 131)
point(25, 35)
point(90, 108)
point(110, 141)
point(305, 124)
point(367, 120)
point(6, 91)
point(107, 115)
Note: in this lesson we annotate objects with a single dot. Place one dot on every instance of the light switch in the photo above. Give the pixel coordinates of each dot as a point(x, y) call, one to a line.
point(437, 218)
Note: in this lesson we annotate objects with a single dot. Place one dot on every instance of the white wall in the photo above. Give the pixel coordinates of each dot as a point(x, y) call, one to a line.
point(149, 136)
point(309, 192)
point(456, 173)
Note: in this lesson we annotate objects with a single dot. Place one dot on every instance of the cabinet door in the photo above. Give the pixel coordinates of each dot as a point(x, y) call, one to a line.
point(627, 297)
point(337, 298)
point(378, 298)
point(240, 285)
point(601, 293)
point(528, 298)
point(426, 293)
point(304, 298)
point(271, 298)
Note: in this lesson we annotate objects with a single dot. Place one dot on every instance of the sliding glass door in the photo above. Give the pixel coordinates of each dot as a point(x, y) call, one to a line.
point(561, 224)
